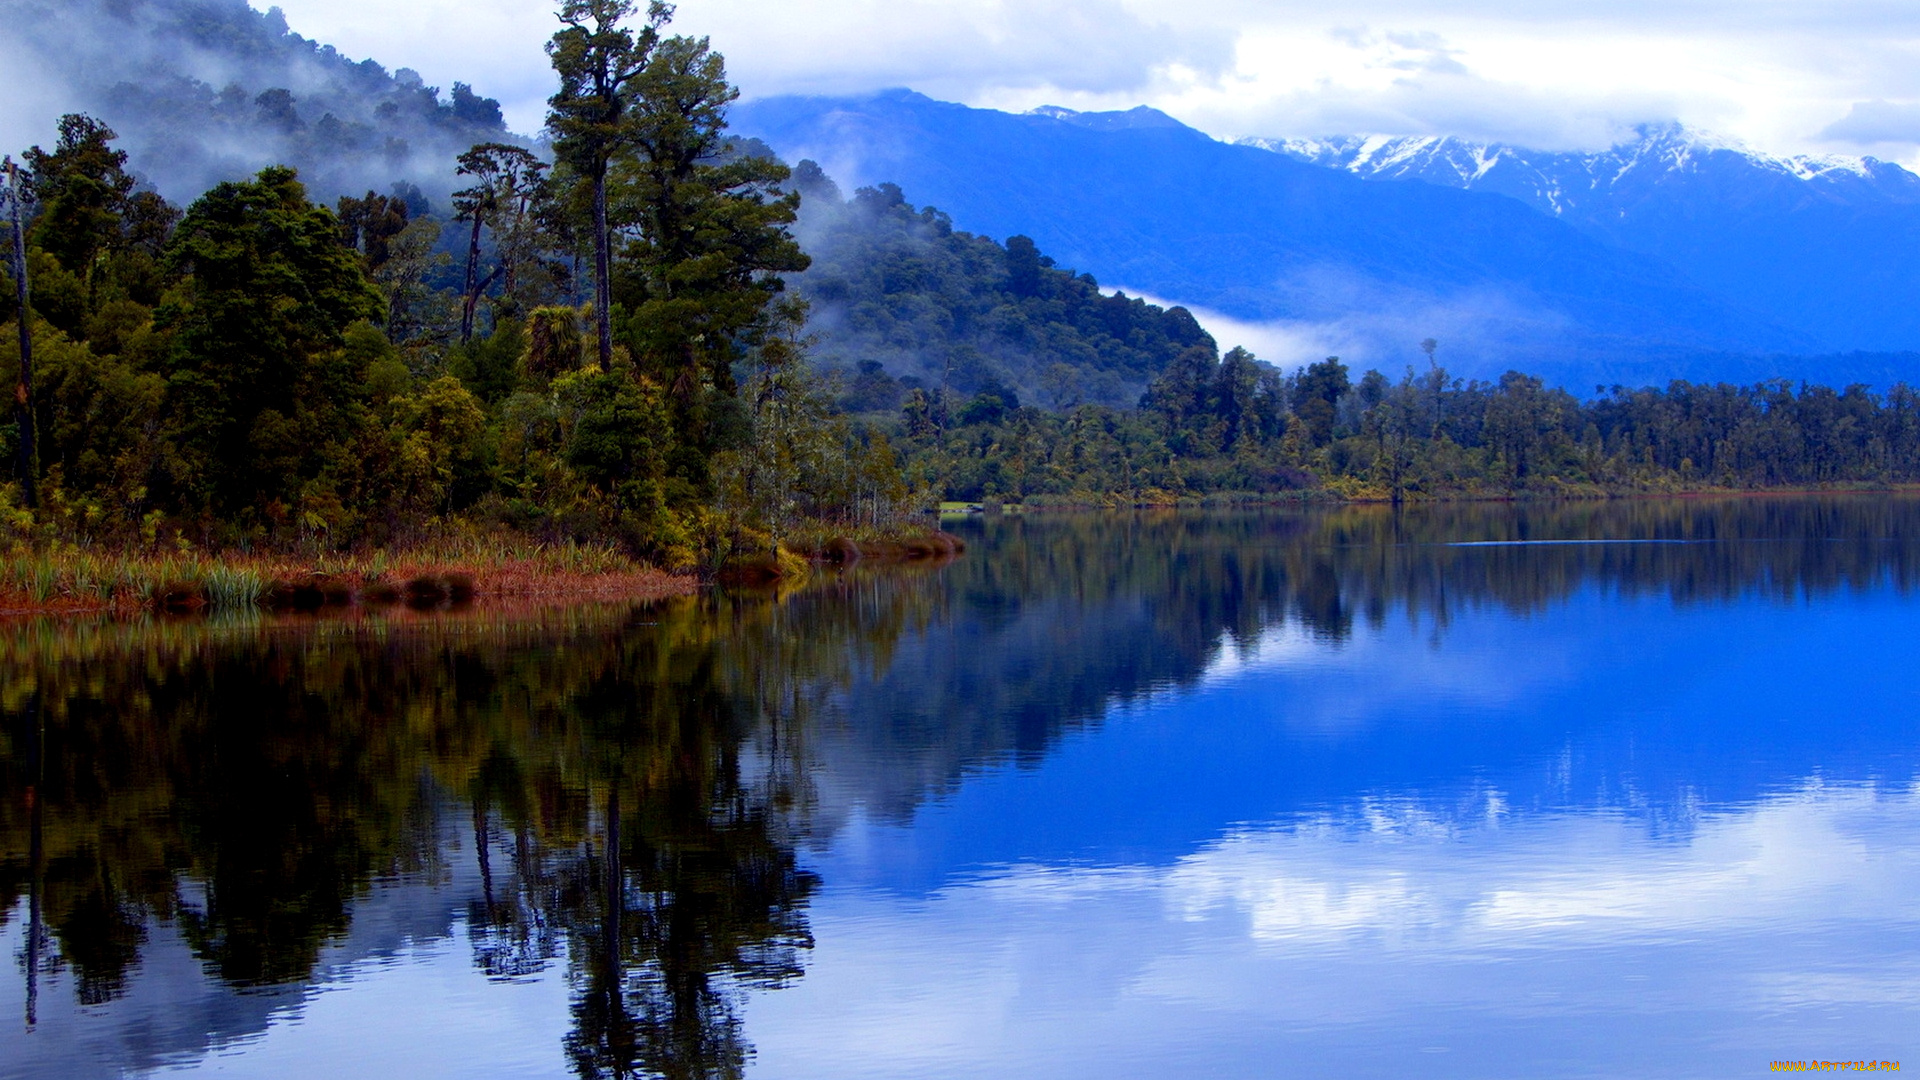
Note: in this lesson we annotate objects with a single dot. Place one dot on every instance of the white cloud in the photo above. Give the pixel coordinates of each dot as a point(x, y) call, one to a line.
point(1450, 922)
point(1382, 329)
point(1783, 75)
point(1286, 344)
point(801, 46)
point(1871, 123)
point(33, 100)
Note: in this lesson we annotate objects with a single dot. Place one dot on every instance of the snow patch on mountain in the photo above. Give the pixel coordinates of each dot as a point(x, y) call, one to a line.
point(1561, 183)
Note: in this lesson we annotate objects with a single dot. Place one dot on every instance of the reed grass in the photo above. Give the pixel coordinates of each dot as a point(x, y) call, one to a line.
point(62, 578)
point(230, 588)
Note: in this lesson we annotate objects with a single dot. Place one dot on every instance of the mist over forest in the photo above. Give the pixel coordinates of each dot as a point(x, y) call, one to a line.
point(902, 301)
point(203, 91)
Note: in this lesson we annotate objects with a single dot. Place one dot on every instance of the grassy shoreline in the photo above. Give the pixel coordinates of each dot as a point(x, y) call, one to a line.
point(72, 581)
point(63, 579)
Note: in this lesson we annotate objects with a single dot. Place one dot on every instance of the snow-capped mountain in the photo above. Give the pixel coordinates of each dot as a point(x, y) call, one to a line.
point(1830, 245)
point(1575, 184)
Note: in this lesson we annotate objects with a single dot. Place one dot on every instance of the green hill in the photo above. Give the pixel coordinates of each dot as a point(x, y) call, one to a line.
point(901, 300)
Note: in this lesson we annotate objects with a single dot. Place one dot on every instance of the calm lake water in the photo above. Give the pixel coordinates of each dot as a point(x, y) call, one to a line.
point(1594, 790)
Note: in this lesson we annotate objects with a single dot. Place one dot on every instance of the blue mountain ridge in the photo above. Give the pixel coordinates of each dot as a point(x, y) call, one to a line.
point(1146, 203)
point(1826, 244)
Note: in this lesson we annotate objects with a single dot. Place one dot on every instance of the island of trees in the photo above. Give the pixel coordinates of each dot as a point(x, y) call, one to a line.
point(658, 343)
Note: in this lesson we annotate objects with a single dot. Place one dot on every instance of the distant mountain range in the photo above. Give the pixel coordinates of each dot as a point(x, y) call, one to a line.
point(1827, 245)
point(1671, 257)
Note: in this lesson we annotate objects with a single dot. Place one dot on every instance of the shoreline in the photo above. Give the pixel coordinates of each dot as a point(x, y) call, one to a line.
point(1322, 497)
point(77, 584)
point(86, 585)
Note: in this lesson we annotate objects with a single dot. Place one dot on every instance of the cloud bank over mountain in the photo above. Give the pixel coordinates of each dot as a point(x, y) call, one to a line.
point(1781, 74)
point(208, 90)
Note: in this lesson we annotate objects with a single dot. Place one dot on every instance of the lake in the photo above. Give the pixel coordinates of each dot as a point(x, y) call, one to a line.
point(1594, 789)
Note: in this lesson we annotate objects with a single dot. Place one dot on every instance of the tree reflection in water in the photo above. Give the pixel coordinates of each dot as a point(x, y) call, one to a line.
point(636, 782)
point(250, 783)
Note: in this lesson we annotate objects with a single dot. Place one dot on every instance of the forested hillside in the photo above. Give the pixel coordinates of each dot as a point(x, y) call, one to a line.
point(902, 301)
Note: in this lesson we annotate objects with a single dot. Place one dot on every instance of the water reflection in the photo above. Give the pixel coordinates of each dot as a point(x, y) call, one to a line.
point(249, 787)
point(1218, 716)
point(1571, 945)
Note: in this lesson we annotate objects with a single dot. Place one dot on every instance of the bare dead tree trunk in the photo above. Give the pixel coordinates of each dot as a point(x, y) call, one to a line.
point(602, 271)
point(26, 465)
point(471, 299)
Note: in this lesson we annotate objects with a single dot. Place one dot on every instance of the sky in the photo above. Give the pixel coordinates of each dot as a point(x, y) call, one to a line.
point(1786, 76)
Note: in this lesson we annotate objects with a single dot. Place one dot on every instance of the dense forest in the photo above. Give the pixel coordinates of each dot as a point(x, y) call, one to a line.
point(657, 336)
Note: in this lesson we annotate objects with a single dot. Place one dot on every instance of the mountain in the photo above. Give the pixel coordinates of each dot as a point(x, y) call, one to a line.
point(202, 91)
point(1146, 203)
point(1828, 245)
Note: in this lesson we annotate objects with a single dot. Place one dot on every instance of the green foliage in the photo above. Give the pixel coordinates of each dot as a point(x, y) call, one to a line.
point(614, 425)
point(591, 119)
point(509, 194)
point(368, 225)
point(803, 460)
point(99, 415)
point(554, 344)
point(1316, 397)
point(259, 388)
point(264, 371)
point(596, 58)
point(83, 189)
point(494, 366)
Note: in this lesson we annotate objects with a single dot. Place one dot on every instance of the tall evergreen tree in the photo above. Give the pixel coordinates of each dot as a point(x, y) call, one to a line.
point(509, 183)
point(711, 241)
point(83, 189)
point(590, 116)
point(1316, 393)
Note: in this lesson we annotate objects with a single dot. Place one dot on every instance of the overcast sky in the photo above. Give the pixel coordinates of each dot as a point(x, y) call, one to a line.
point(1833, 76)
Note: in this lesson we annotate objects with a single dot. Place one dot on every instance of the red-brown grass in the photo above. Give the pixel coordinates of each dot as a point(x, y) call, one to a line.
point(77, 582)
